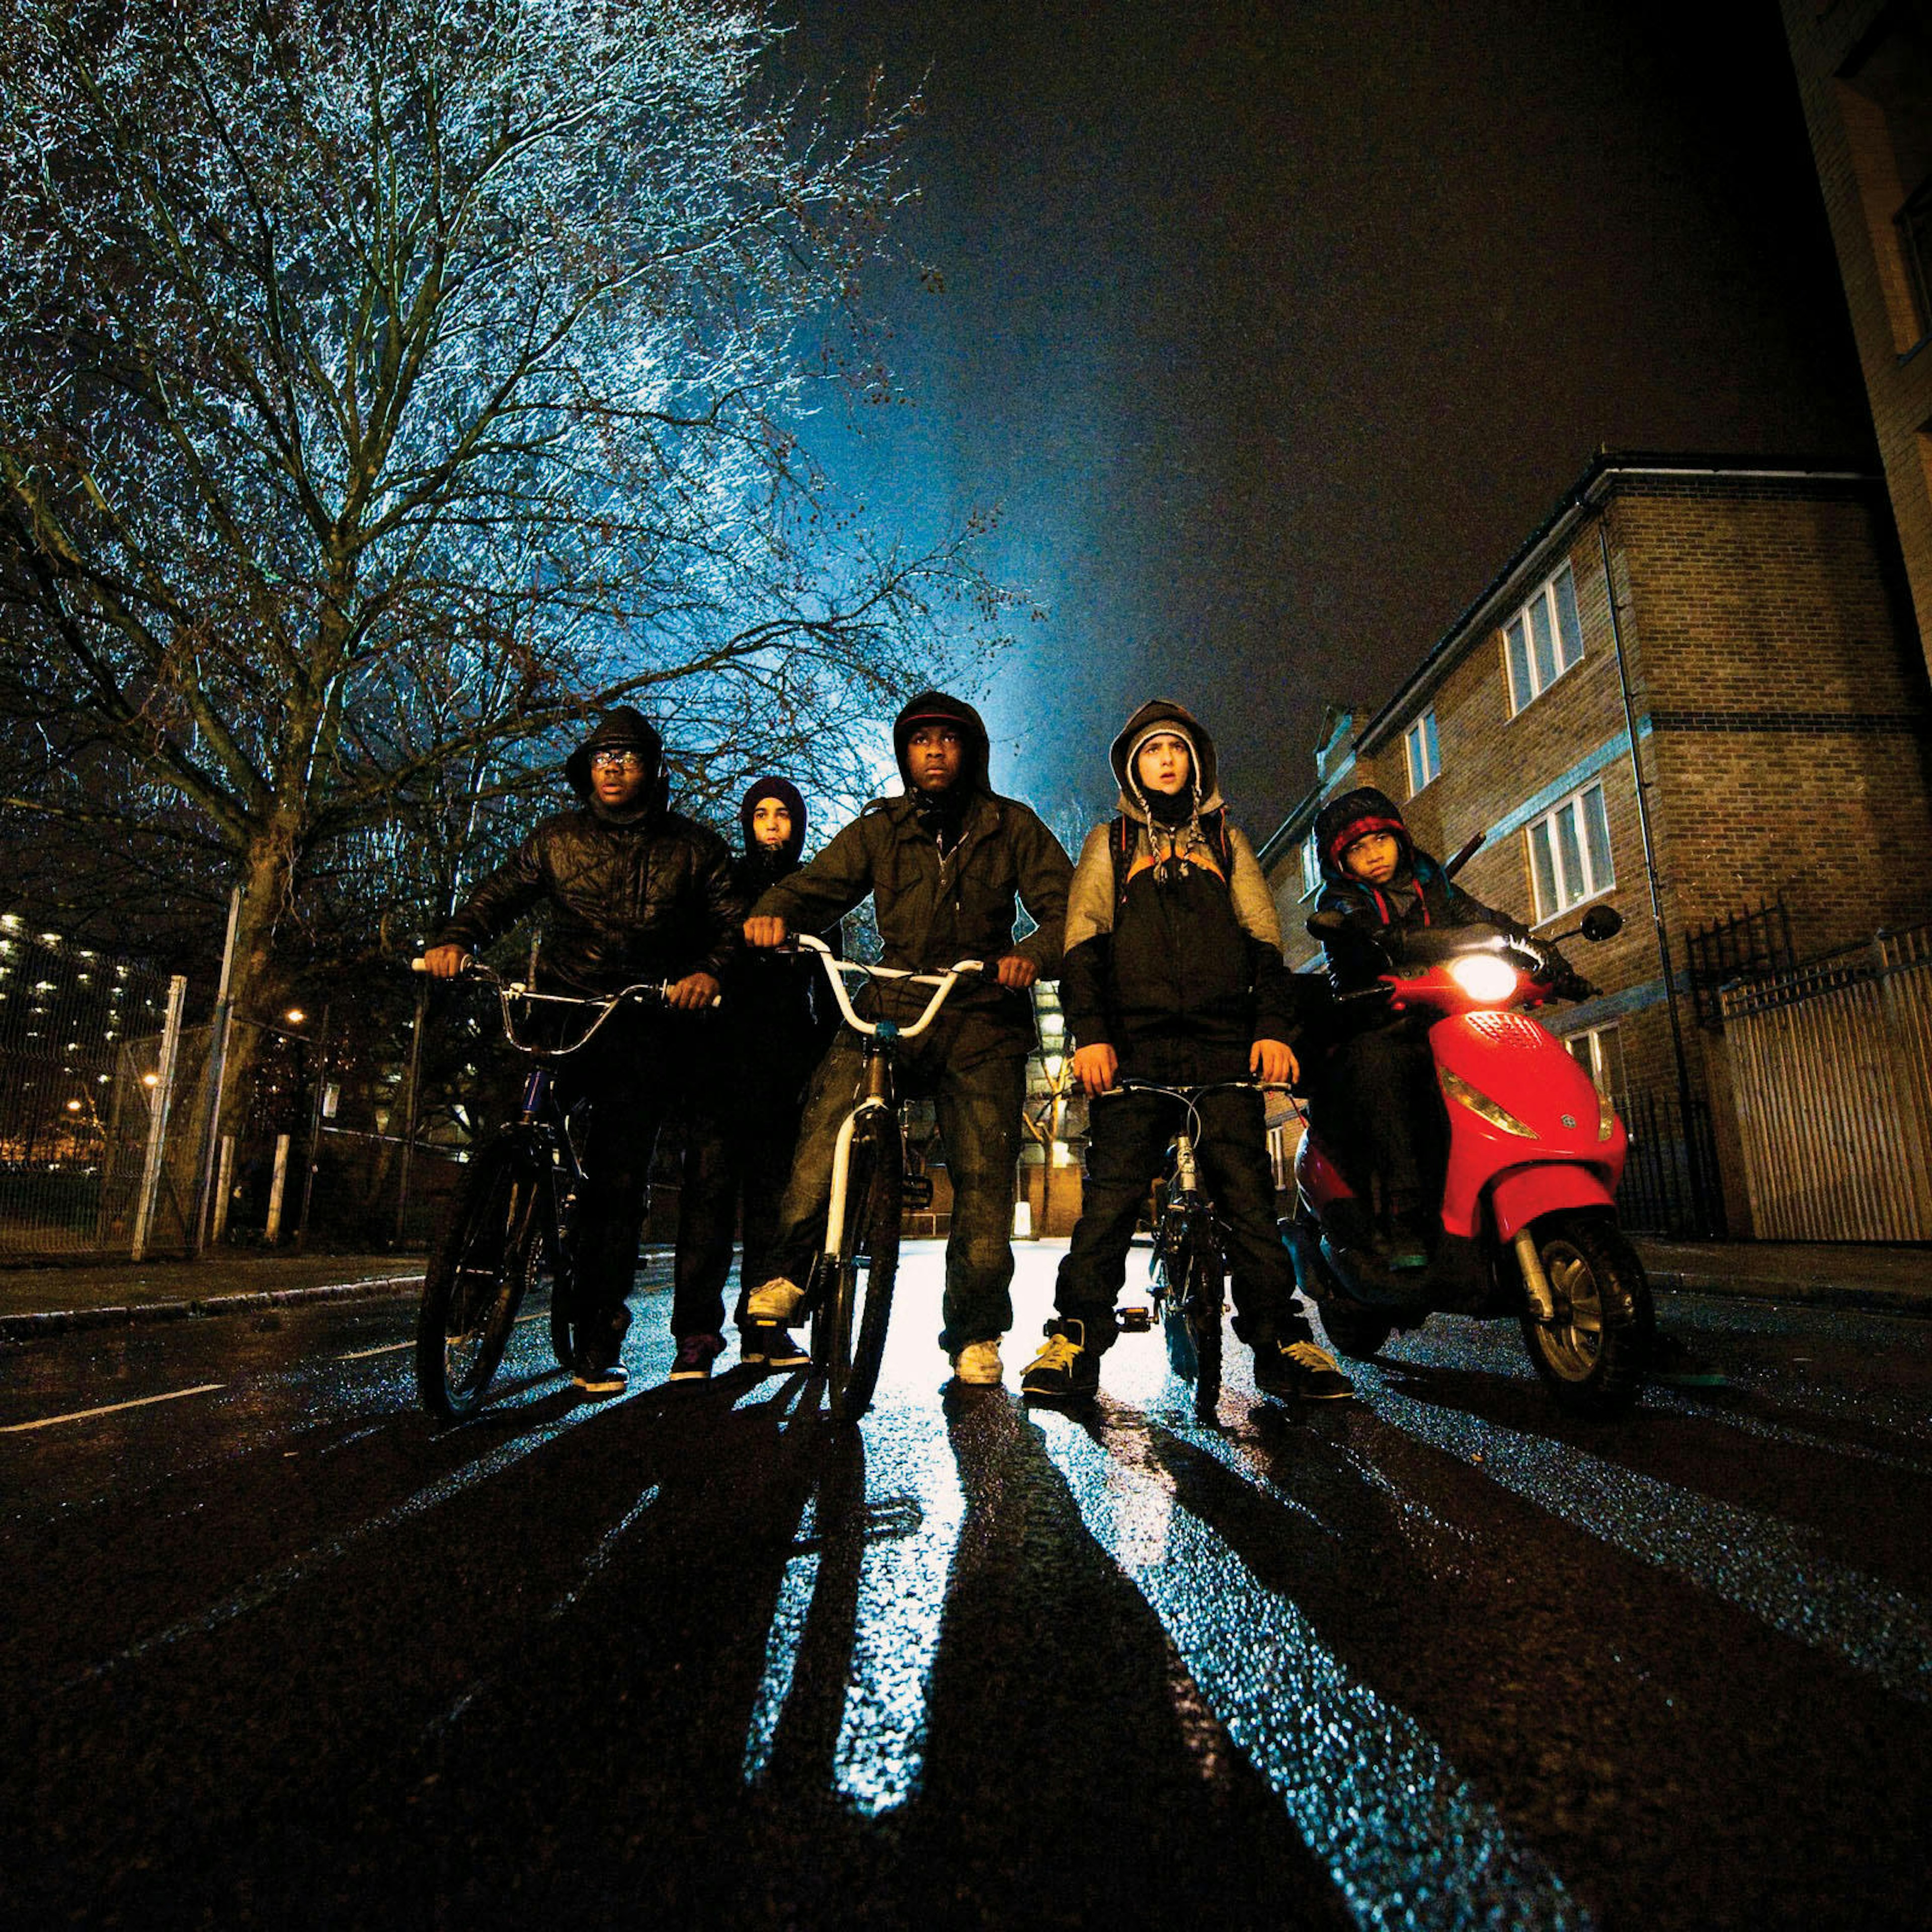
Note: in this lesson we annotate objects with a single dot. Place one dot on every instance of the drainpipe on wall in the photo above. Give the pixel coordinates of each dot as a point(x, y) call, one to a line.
point(1700, 1207)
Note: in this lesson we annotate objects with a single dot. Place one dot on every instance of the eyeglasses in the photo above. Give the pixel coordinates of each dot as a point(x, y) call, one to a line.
point(617, 761)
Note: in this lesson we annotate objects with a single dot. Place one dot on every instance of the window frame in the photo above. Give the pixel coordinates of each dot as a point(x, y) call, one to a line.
point(1581, 845)
point(1596, 1062)
point(1311, 867)
point(1559, 637)
point(1422, 750)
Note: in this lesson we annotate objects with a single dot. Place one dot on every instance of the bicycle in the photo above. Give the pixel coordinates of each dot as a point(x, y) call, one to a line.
point(850, 1296)
point(1188, 1270)
point(510, 1226)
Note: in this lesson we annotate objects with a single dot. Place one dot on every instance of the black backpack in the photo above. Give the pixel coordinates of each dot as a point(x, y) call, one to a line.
point(1121, 843)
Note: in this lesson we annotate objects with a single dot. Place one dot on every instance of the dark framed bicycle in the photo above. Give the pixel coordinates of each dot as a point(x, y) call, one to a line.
point(510, 1228)
point(849, 1297)
point(1188, 1272)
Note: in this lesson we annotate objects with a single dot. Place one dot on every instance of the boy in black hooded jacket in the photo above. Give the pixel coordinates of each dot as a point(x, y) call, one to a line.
point(778, 1018)
point(635, 892)
point(943, 865)
point(1173, 974)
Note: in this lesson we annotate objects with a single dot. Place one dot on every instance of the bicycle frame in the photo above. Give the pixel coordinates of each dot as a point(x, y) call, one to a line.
point(881, 1037)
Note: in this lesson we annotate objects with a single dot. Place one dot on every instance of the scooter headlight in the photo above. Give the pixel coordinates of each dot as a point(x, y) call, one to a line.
point(1480, 1102)
point(1485, 977)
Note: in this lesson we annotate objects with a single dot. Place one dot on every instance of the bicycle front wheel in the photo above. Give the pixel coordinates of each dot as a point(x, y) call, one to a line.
point(859, 1301)
point(481, 1263)
point(1202, 1297)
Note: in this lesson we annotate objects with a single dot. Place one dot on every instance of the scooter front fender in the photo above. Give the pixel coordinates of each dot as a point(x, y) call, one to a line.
point(1519, 1196)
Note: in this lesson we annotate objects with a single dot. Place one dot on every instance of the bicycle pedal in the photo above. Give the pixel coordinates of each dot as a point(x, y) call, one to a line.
point(1134, 1320)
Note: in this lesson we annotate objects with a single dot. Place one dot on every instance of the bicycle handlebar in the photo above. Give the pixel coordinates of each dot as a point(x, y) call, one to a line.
point(644, 991)
point(835, 971)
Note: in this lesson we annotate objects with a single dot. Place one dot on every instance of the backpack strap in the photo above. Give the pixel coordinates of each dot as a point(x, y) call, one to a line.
point(1120, 846)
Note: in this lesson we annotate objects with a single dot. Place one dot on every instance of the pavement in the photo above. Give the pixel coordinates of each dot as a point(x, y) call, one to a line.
point(53, 1300)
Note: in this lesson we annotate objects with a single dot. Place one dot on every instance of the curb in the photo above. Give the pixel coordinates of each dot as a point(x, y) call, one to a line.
point(66, 1320)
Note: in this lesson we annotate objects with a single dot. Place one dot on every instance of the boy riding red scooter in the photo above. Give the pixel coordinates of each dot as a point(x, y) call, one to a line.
point(1436, 1070)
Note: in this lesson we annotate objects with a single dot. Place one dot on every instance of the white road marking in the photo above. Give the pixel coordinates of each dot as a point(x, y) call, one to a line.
point(110, 1408)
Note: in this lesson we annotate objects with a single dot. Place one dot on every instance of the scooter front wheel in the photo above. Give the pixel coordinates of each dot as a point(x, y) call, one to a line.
point(1592, 1357)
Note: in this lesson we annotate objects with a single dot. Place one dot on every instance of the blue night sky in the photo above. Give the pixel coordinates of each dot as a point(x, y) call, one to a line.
point(1275, 328)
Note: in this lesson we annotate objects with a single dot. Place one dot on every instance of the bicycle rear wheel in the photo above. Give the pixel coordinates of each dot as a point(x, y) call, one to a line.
point(858, 1302)
point(481, 1263)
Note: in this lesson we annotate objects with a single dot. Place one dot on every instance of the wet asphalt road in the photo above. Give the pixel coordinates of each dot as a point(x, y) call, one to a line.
point(279, 1653)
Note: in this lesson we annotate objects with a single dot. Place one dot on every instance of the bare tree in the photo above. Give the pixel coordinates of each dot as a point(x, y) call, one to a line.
point(381, 384)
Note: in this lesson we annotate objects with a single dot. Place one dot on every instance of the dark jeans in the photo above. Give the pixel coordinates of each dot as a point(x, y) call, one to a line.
point(1127, 1139)
point(975, 1074)
point(642, 1070)
point(1375, 1106)
point(759, 1145)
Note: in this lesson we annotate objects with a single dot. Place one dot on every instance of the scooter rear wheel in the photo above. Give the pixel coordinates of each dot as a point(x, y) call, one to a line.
point(1592, 1358)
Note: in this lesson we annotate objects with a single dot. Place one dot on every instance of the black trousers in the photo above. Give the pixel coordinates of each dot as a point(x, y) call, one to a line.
point(759, 1142)
point(1376, 1107)
point(641, 1071)
point(1127, 1151)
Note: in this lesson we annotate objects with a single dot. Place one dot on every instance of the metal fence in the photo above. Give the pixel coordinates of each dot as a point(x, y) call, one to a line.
point(1670, 1175)
point(106, 1149)
point(1831, 1070)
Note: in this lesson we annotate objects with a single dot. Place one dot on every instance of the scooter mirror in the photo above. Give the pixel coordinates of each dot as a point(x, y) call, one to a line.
point(1602, 922)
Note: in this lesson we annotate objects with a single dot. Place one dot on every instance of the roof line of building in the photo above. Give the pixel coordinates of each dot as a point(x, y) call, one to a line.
point(1599, 475)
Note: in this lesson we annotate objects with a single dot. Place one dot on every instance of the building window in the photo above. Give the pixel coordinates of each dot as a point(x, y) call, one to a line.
point(1424, 755)
point(1311, 867)
point(1599, 1052)
point(1570, 853)
point(1543, 639)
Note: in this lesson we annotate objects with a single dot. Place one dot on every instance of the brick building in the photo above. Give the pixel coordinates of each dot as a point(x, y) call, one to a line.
point(1865, 74)
point(1761, 670)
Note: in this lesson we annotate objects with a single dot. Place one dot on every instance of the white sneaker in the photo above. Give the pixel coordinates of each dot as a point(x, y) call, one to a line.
point(978, 1363)
point(777, 1301)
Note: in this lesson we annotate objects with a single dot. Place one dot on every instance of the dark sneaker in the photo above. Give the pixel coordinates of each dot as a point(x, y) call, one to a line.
point(603, 1381)
point(1300, 1370)
point(770, 1345)
point(1065, 1370)
point(1676, 1367)
point(695, 1355)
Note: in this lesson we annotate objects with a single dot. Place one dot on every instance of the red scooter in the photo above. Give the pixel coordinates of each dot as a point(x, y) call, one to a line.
point(1528, 1225)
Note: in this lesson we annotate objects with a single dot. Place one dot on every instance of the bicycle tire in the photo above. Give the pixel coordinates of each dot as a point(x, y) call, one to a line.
point(868, 1261)
point(1202, 1297)
point(476, 1276)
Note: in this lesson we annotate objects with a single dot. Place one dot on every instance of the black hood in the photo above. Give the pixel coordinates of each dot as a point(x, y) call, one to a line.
point(1343, 820)
point(787, 794)
point(622, 730)
point(935, 707)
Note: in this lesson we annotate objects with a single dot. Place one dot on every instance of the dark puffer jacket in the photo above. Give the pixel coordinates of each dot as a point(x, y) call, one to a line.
point(644, 893)
point(934, 907)
point(1419, 895)
point(1175, 966)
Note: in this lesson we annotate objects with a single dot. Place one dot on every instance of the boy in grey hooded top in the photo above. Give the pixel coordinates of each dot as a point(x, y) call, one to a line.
point(1174, 974)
